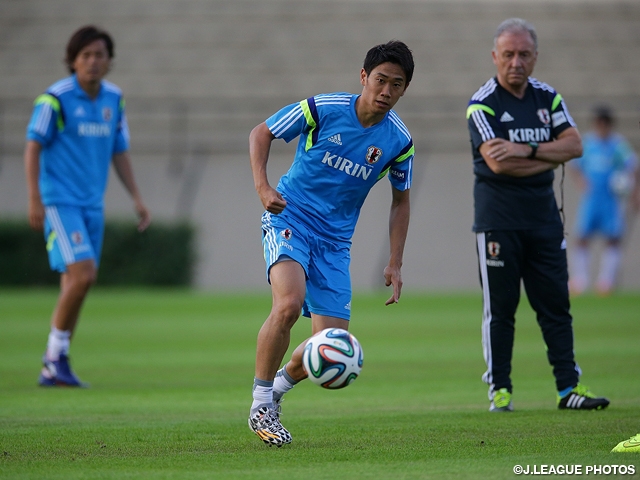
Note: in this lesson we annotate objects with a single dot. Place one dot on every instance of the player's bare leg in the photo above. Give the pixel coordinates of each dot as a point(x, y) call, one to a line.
point(609, 265)
point(288, 292)
point(74, 286)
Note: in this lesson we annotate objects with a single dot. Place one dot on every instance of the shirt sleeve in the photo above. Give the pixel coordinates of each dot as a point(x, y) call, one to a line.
point(482, 122)
point(290, 121)
point(560, 117)
point(401, 170)
point(46, 119)
point(627, 156)
point(122, 132)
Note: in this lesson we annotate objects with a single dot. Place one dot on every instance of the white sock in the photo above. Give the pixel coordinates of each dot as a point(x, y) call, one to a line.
point(609, 264)
point(282, 383)
point(580, 277)
point(262, 394)
point(59, 342)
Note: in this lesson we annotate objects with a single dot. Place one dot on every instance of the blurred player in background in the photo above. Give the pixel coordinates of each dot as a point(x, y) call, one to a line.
point(520, 132)
point(607, 175)
point(77, 129)
point(347, 143)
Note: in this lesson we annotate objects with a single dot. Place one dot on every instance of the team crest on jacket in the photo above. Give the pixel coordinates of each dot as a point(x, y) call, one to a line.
point(543, 115)
point(286, 233)
point(493, 248)
point(373, 154)
point(106, 114)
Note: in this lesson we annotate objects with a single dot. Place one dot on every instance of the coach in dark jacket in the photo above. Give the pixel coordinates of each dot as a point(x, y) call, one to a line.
point(520, 132)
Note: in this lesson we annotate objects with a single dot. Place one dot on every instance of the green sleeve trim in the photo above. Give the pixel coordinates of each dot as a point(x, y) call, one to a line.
point(382, 174)
point(411, 151)
point(122, 102)
point(55, 105)
point(478, 106)
point(310, 121)
point(401, 158)
point(556, 101)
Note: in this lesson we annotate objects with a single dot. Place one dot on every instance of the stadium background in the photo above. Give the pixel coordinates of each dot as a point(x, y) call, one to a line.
point(199, 74)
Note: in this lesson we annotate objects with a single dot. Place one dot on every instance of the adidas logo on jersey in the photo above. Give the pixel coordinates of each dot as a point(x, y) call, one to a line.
point(335, 139)
point(506, 117)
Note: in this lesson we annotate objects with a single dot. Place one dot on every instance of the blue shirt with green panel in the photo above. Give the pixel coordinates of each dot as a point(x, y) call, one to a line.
point(79, 136)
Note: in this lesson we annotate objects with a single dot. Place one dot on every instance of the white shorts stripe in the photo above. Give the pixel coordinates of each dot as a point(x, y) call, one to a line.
point(61, 235)
point(270, 240)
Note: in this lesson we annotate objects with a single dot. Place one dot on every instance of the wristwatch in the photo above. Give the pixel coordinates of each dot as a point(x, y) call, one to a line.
point(534, 149)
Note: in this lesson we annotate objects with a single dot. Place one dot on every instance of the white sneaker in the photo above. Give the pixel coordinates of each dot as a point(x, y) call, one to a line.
point(501, 401)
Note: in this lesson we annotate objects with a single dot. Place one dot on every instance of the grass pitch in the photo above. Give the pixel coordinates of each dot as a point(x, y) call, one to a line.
point(171, 374)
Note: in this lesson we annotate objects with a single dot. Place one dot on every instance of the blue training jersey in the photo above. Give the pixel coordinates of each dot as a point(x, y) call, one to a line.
point(79, 136)
point(338, 161)
point(601, 158)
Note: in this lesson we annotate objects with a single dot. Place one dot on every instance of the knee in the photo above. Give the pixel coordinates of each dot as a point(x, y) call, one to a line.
point(287, 310)
point(82, 280)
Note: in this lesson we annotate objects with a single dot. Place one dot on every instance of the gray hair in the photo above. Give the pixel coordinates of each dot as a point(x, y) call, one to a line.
point(513, 25)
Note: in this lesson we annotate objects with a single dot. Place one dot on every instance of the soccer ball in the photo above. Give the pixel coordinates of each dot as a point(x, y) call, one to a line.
point(621, 183)
point(332, 358)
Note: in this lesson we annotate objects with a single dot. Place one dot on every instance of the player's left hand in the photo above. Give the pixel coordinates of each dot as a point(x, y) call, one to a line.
point(392, 276)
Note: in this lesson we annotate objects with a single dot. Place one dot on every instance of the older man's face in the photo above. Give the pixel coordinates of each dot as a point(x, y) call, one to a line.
point(515, 56)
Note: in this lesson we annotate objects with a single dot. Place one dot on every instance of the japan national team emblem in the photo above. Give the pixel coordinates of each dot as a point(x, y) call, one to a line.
point(106, 114)
point(76, 237)
point(543, 115)
point(286, 233)
point(493, 248)
point(373, 154)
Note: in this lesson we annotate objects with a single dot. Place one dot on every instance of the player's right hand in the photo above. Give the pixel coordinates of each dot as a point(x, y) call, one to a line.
point(273, 201)
point(36, 215)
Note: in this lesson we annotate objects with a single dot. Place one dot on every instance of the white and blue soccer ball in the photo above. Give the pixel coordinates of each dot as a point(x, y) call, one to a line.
point(621, 183)
point(332, 358)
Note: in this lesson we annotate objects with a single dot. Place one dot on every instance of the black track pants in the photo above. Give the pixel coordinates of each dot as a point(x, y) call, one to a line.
point(538, 258)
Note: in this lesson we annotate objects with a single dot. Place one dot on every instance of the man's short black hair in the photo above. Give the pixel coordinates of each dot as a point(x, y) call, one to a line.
point(83, 37)
point(603, 113)
point(394, 51)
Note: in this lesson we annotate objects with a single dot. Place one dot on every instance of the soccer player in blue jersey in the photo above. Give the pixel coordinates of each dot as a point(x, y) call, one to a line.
point(77, 129)
point(521, 131)
point(347, 143)
point(606, 173)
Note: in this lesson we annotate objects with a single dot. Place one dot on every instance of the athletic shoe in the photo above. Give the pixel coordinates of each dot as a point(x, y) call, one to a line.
point(631, 445)
point(580, 398)
point(277, 404)
point(501, 401)
point(58, 373)
point(265, 423)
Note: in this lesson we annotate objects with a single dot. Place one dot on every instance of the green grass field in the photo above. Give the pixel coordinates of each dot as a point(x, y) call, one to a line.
point(171, 375)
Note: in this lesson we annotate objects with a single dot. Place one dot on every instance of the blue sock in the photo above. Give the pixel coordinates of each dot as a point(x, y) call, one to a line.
point(565, 392)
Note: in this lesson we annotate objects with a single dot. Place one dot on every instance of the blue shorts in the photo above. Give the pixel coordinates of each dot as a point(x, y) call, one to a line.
point(600, 214)
point(73, 234)
point(325, 263)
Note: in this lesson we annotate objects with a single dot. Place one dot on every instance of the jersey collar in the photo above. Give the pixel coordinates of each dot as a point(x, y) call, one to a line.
point(79, 91)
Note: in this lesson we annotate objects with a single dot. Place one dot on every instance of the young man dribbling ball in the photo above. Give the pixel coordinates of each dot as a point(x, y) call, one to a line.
point(347, 143)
